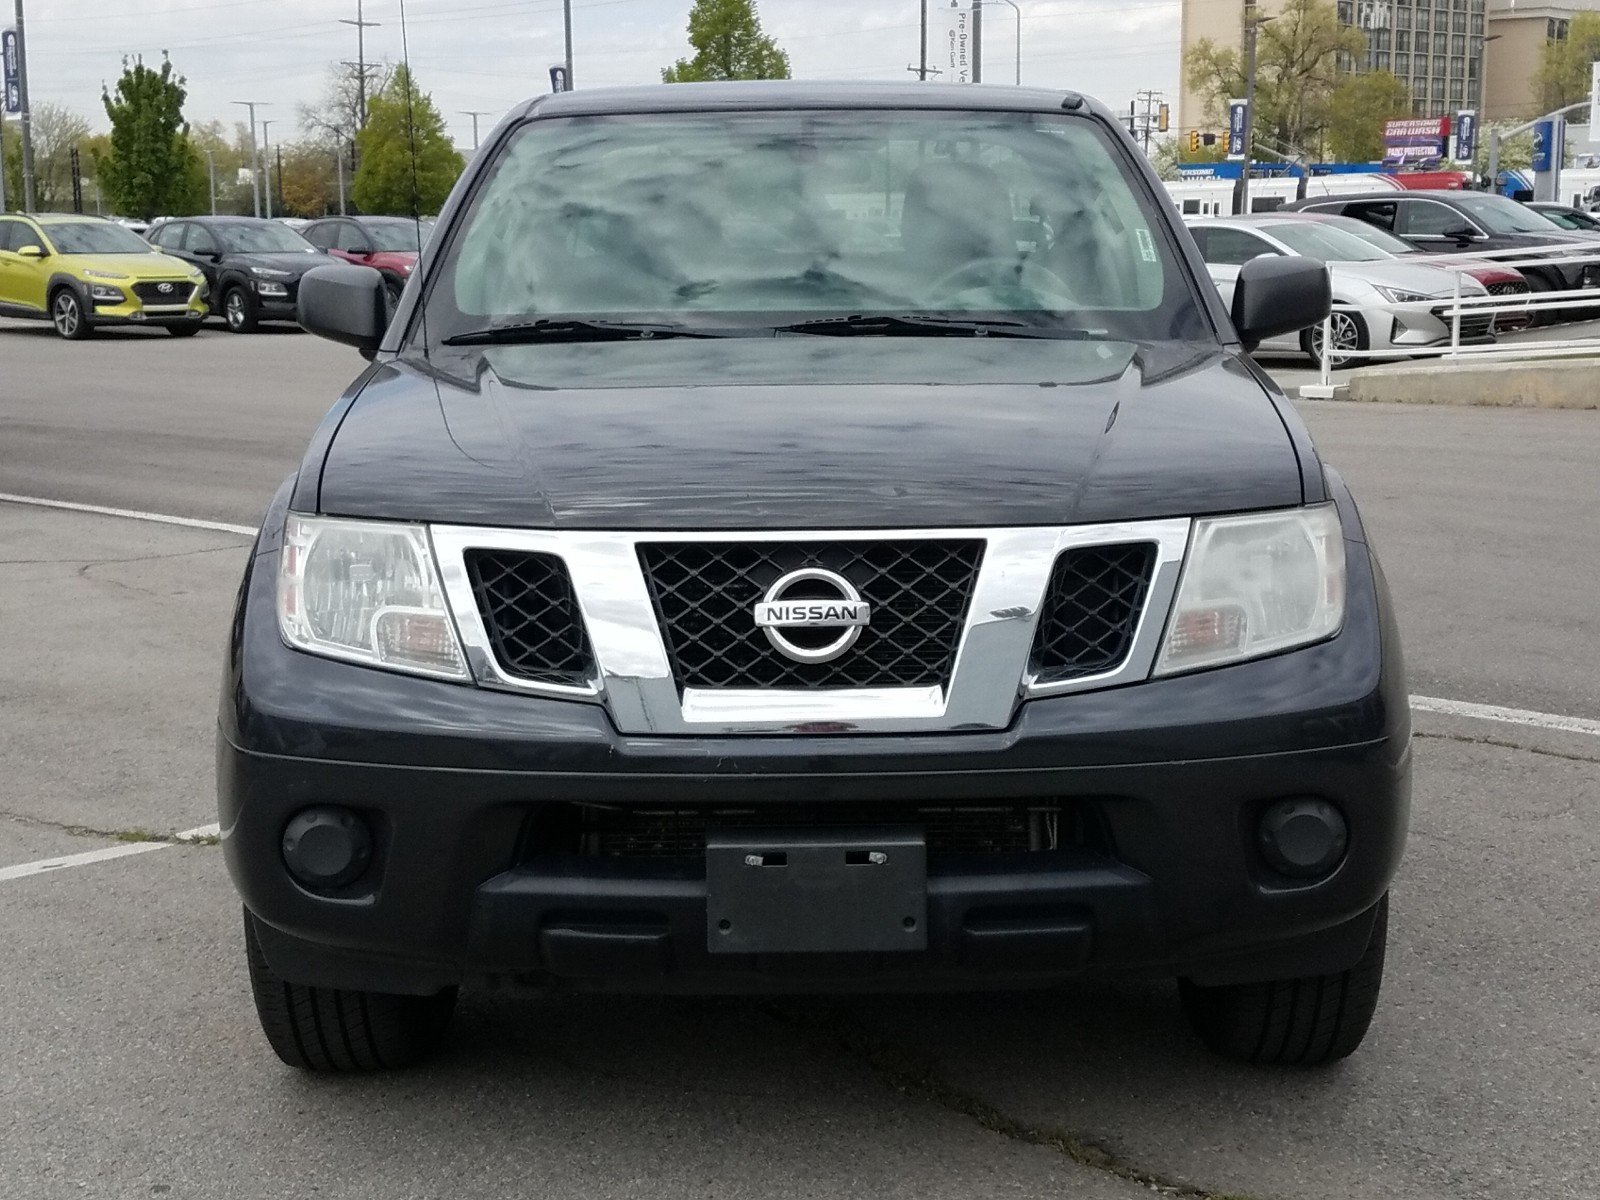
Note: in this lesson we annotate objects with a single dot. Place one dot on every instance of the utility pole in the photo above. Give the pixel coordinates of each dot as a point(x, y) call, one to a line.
point(474, 113)
point(1253, 24)
point(266, 154)
point(2, 157)
point(922, 60)
point(362, 25)
point(977, 41)
point(1147, 120)
point(280, 177)
point(211, 170)
point(338, 165)
point(26, 115)
point(566, 23)
point(977, 4)
point(255, 158)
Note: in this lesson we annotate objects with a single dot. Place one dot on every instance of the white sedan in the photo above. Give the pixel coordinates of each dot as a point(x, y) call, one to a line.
point(1377, 297)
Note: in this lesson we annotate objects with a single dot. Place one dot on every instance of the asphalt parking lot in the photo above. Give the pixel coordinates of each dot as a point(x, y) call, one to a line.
point(132, 1066)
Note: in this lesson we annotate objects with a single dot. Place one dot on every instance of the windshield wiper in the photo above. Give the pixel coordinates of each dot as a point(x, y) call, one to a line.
point(915, 325)
point(571, 330)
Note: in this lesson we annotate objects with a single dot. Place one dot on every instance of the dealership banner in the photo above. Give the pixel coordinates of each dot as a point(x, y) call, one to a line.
point(1415, 140)
point(1236, 122)
point(1466, 135)
point(13, 73)
point(1594, 101)
point(950, 41)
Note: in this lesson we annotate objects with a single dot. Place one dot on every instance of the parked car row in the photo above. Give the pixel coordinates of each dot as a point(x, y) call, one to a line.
point(84, 272)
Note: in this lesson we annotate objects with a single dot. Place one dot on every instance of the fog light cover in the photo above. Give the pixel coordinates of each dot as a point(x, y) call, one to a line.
point(366, 591)
point(1254, 585)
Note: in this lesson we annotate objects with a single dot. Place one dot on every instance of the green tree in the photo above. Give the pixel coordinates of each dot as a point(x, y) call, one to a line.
point(1562, 76)
point(728, 44)
point(56, 130)
point(11, 148)
point(404, 154)
point(1360, 105)
point(1298, 70)
point(153, 169)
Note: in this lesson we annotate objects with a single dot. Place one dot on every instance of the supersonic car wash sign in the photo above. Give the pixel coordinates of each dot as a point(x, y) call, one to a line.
point(953, 42)
point(1415, 140)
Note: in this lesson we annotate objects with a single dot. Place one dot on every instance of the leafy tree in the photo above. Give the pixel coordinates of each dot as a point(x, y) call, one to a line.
point(56, 130)
point(728, 44)
point(11, 148)
point(1360, 105)
point(153, 168)
point(404, 155)
point(1562, 76)
point(308, 186)
point(1298, 57)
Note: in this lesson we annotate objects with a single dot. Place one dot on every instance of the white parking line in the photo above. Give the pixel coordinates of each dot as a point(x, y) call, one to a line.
point(67, 862)
point(132, 514)
point(1507, 716)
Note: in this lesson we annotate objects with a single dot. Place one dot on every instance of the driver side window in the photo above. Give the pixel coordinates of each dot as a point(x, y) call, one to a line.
point(198, 240)
point(1233, 247)
point(14, 235)
point(1424, 218)
point(352, 239)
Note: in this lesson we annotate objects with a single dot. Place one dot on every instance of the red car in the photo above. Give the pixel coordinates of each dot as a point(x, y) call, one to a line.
point(391, 244)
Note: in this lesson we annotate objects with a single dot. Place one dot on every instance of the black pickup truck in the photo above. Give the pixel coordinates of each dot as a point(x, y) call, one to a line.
point(798, 538)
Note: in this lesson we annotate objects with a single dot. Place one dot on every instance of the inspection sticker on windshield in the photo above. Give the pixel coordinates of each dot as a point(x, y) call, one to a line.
point(1147, 245)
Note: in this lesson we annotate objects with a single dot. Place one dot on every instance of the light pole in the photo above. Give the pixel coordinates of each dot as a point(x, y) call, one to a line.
point(255, 159)
point(566, 24)
point(1253, 23)
point(475, 113)
point(1018, 11)
point(338, 165)
point(266, 154)
point(26, 113)
point(211, 172)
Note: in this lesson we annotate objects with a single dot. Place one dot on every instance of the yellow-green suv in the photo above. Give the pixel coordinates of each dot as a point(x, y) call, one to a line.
point(80, 272)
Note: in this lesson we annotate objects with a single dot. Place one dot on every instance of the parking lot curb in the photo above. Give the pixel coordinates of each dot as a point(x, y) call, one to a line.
point(1567, 383)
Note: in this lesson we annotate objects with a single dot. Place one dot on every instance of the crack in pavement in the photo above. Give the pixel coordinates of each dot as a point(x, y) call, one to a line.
point(920, 1080)
point(116, 835)
point(85, 563)
point(1504, 744)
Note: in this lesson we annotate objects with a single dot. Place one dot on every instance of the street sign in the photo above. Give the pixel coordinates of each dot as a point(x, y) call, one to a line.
point(560, 81)
point(1414, 140)
point(13, 70)
point(1236, 119)
point(1544, 145)
point(1466, 135)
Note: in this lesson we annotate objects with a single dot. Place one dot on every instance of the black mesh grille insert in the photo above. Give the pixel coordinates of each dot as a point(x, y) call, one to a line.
point(532, 615)
point(1508, 288)
point(705, 595)
point(151, 293)
point(676, 832)
point(1091, 610)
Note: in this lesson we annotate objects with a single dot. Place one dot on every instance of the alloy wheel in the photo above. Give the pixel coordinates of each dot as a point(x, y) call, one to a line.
point(235, 310)
point(68, 315)
point(1346, 336)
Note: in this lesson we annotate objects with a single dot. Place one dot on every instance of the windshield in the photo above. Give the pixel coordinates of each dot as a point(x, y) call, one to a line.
point(1326, 242)
point(1371, 234)
point(93, 237)
point(756, 220)
point(266, 238)
point(399, 236)
point(1499, 215)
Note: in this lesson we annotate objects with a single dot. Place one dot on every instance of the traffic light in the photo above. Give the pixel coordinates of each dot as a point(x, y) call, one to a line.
point(1194, 141)
point(1163, 118)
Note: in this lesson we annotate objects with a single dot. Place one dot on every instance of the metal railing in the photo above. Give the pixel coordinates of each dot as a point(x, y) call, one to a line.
point(1584, 256)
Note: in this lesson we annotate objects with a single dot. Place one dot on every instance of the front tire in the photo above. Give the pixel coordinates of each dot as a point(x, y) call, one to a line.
point(1349, 333)
point(186, 330)
point(333, 1030)
point(68, 316)
point(1305, 1022)
point(239, 310)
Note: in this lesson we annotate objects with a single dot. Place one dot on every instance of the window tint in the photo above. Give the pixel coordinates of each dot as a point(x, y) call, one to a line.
point(321, 235)
point(1379, 213)
point(351, 239)
point(14, 235)
point(1225, 246)
point(1425, 218)
point(751, 216)
point(198, 239)
point(169, 236)
point(93, 237)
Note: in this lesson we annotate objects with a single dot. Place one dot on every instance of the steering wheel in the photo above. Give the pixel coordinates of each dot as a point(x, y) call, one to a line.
point(985, 272)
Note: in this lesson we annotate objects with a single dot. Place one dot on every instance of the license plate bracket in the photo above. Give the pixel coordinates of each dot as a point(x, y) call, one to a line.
point(772, 891)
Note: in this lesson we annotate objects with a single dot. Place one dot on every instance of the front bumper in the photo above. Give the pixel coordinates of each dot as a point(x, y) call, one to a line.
point(131, 311)
point(1173, 773)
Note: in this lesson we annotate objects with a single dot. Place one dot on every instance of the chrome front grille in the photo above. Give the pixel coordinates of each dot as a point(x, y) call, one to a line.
point(705, 595)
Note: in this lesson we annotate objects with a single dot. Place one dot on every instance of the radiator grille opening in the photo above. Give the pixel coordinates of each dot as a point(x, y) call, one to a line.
point(1091, 610)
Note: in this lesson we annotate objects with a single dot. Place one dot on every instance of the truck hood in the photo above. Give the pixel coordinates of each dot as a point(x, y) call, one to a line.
point(810, 432)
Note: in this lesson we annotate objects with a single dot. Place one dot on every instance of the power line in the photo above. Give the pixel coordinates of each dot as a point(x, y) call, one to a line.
point(362, 26)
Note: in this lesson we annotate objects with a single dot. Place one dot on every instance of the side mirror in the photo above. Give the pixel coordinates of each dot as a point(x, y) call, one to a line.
point(1279, 294)
point(1463, 236)
point(345, 303)
point(31, 252)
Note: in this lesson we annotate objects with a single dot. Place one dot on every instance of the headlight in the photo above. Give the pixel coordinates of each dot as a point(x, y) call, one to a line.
point(1400, 296)
point(267, 288)
point(106, 294)
point(270, 273)
point(367, 592)
point(92, 274)
point(1254, 585)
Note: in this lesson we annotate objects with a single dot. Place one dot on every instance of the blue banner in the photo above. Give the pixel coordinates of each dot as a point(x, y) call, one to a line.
point(13, 73)
point(1466, 135)
point(1236, 119)
point(1544, 146)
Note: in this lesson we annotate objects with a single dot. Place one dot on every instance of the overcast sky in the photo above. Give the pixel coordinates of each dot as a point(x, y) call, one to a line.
point(488, 54)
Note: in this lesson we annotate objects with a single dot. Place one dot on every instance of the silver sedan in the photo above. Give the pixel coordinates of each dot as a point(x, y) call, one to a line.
point(1376, 296)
